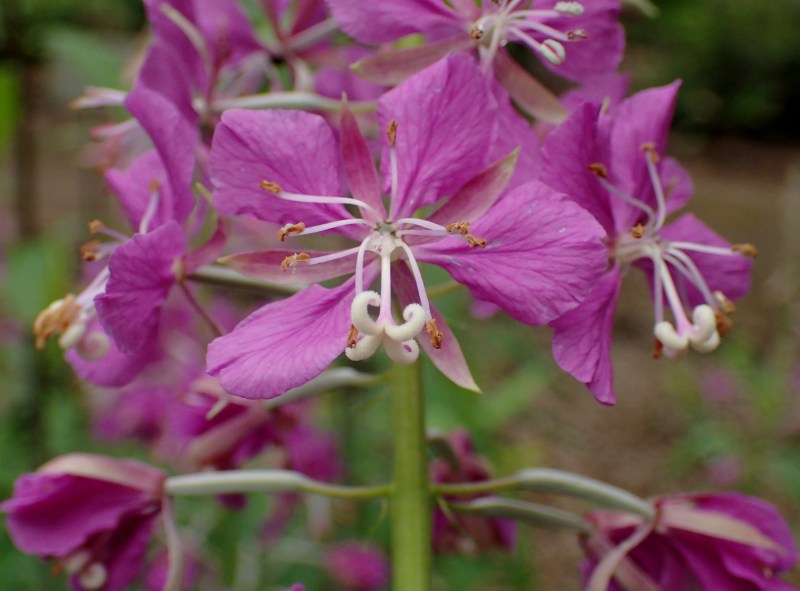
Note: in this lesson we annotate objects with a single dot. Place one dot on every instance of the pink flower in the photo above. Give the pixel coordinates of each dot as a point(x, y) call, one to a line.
point(357, 567)
point(611, 163)
point(533, 252)
point(93, 514)
point(468, 533)
point(696, 541)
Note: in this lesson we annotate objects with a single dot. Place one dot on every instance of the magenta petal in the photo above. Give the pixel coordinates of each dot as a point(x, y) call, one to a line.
point(114, 369)
point(678, 185)
point(445, 125)
point(135, 185)
point(379, 22)
point(266, 266)
point(284, 344)
point(394, 65)
point(760, 514)
point(208, 252)
point(479, 194)
point(644, 118)
point(141, 276)
point(39, 522)
point(449, 359)
point(582, 338)
point(567, 153)
point(544, 255)
point(124, 553)
point(359, 164)
point(171, 125)
point(531, 95)
point(296, 150)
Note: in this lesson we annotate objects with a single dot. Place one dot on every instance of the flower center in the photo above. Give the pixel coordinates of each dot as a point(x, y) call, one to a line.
point(709, 320)
point(512, 21)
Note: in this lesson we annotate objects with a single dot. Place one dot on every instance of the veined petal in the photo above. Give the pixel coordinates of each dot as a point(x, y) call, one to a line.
point(379, 22)
point(445, 125)
point(644, 118)
point(479, 194)
point(359, 164)
point(141, 277)
point(449, 358)
point(293, 149)
point(175, 137)
point(582, 338)
point(266, 265)
point(543, 255)
point(531, 95)
point(394, 65)
point(678, 185)
point(284, 344)
point(567, 153)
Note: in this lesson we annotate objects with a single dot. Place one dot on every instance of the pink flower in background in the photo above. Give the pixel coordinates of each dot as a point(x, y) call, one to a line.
point(612, 165)
point(577, 40)
point(93, 514)
point(466, 533)
point(357, 567)
point(696, 541)
point(533, 252)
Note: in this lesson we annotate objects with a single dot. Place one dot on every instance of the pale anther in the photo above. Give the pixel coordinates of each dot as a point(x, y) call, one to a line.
point(747, 250)
point(293, 259)
point(434, 333)
point(569, 8)
point(291, 230)
point(553, 51)
point(270, 186)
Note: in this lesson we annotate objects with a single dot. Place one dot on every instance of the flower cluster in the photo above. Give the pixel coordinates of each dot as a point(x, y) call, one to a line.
point(257, 158)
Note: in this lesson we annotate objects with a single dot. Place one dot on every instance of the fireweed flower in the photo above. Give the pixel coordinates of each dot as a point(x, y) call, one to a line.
point(696, 541)
point(92, 514)
point(357, 567)
point(439, 132)
point(466, 533)
point(611, 164)
point(577, 40)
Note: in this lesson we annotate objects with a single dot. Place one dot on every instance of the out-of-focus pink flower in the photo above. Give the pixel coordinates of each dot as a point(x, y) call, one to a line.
point(93, 514)
point(357, 567)
point(467, 533)
point(696, 541)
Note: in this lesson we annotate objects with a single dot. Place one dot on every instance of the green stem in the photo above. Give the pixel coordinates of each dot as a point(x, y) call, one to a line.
point(269, 481)
point(410, 497)
point(558, 482)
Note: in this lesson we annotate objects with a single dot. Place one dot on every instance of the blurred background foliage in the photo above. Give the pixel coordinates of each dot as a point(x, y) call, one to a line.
point(731, 420)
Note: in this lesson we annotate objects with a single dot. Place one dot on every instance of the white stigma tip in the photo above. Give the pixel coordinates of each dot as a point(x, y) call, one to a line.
point(415, 318)
point(93, 577)
point(569, 8)
point(359, 313)
point(553, 51)
point(402, 353)
point(674, 343)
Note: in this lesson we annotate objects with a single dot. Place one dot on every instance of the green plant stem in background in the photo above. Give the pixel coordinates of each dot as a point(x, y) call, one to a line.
point(410, 497)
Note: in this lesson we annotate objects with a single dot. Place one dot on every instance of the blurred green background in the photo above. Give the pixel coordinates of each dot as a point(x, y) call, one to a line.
point(727, 421)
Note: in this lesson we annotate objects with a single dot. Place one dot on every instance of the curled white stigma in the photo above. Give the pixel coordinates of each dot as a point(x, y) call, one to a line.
point(398, 340)
point(702, 334)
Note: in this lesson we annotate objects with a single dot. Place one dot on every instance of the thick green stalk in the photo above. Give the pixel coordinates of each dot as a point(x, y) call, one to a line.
point(411, 496)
